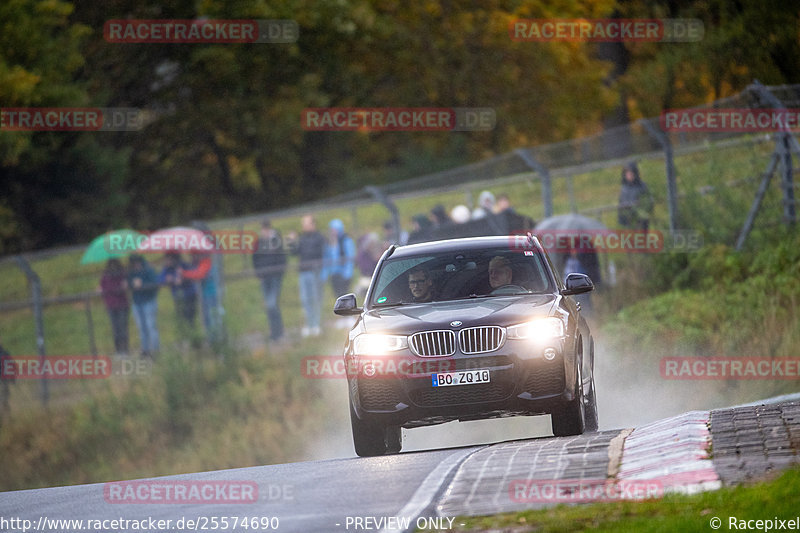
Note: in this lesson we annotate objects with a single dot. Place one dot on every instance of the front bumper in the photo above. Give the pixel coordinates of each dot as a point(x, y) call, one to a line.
point(398, 390)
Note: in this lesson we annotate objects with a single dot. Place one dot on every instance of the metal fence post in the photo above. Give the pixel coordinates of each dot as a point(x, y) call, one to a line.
point(669, 163)
point(756, 205)
point(381, 197)
point(787, 180)
point(544, 172)
point(786, 145)
point(36, 298)
point(90, 324)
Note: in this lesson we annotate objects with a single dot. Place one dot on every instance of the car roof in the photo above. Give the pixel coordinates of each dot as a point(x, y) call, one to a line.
point(469, 243)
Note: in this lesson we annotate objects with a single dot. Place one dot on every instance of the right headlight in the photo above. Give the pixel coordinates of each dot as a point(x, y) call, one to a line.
point(540, 329)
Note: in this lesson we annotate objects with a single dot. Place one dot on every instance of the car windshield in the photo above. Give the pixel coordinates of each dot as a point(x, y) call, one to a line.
point(458, 275)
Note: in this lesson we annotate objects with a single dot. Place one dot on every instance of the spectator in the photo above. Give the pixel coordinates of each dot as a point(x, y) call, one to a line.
point(503, 205)
point(635, 200)
point(460, 214)
point(338, 262)
point(184, 292)
point(309, 248)
point(420, 228)
point(203, 269)
point(113, 287)
point(486, 203)
point(143, 283)
point(389, 234)
point(369, 252)
point(269, 262)
point(439, 215)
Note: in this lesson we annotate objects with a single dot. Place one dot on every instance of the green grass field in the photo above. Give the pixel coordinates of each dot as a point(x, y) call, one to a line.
point(770, 500)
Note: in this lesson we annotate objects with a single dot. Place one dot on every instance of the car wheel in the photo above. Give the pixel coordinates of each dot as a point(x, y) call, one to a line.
point(569, 419)
point(371, 440)
point(590, 410)
point(394, 439)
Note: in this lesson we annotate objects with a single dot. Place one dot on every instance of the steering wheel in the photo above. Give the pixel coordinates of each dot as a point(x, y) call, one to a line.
point(508, 289)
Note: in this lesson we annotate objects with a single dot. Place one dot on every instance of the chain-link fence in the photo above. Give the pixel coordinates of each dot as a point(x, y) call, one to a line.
point(715, 182)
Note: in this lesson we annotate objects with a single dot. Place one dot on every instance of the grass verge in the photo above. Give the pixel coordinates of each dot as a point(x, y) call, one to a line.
point(776, 498)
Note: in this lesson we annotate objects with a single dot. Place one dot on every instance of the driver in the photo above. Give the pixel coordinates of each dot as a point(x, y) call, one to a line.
point(499, 272)
point(420, 284)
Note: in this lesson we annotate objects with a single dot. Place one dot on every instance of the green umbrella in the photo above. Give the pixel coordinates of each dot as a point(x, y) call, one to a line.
point(110, 245)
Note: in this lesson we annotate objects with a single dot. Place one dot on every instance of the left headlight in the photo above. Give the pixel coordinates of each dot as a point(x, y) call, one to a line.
point(376, 344)
point(539, 329)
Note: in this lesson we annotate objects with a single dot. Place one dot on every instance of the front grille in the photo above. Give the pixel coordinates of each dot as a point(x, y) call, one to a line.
point(379, 394)
point(438, 396)
point(434, 343)
point(481, 339)
point(546, 379)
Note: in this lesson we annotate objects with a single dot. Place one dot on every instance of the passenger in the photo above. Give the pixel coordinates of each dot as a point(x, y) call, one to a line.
point(500, 272)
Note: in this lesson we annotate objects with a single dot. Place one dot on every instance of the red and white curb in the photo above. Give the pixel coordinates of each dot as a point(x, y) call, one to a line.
point(673, 453)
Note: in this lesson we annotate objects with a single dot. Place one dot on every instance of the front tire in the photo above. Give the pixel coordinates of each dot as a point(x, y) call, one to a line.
point(590, 410)
point(371, 440)
point(569, 419)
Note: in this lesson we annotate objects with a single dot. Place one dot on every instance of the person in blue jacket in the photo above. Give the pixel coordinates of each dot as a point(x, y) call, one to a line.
point(143, 282)
point(339, 258)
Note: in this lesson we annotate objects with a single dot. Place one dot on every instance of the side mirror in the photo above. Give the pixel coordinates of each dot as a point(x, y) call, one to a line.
point(346, 305)
point(577, 284)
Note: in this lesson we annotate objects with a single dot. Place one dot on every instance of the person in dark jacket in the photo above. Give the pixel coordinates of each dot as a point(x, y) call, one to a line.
point(184, 292)
point(143, 283)
point(420, 228)
point(269, 262)
point(309, 248)
point(635, 201)
point(112, 287)
point(204, 270)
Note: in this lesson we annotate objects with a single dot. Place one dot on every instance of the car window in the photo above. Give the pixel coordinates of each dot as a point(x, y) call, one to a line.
point(466, 274)
point(394, 270)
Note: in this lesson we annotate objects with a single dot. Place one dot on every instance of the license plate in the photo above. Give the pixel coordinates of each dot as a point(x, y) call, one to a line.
point(467, 377)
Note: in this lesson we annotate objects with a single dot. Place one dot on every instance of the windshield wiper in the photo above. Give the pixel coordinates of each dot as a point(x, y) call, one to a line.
point(473, 296)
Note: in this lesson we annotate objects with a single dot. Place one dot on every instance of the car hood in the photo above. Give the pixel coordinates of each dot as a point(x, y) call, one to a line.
point(500, 310)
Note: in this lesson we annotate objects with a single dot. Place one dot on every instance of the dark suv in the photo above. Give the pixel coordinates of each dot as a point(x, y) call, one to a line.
point(467, 329)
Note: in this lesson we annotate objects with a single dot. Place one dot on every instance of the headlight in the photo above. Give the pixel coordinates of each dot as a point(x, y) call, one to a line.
point(375, 344)
point(540, 329)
